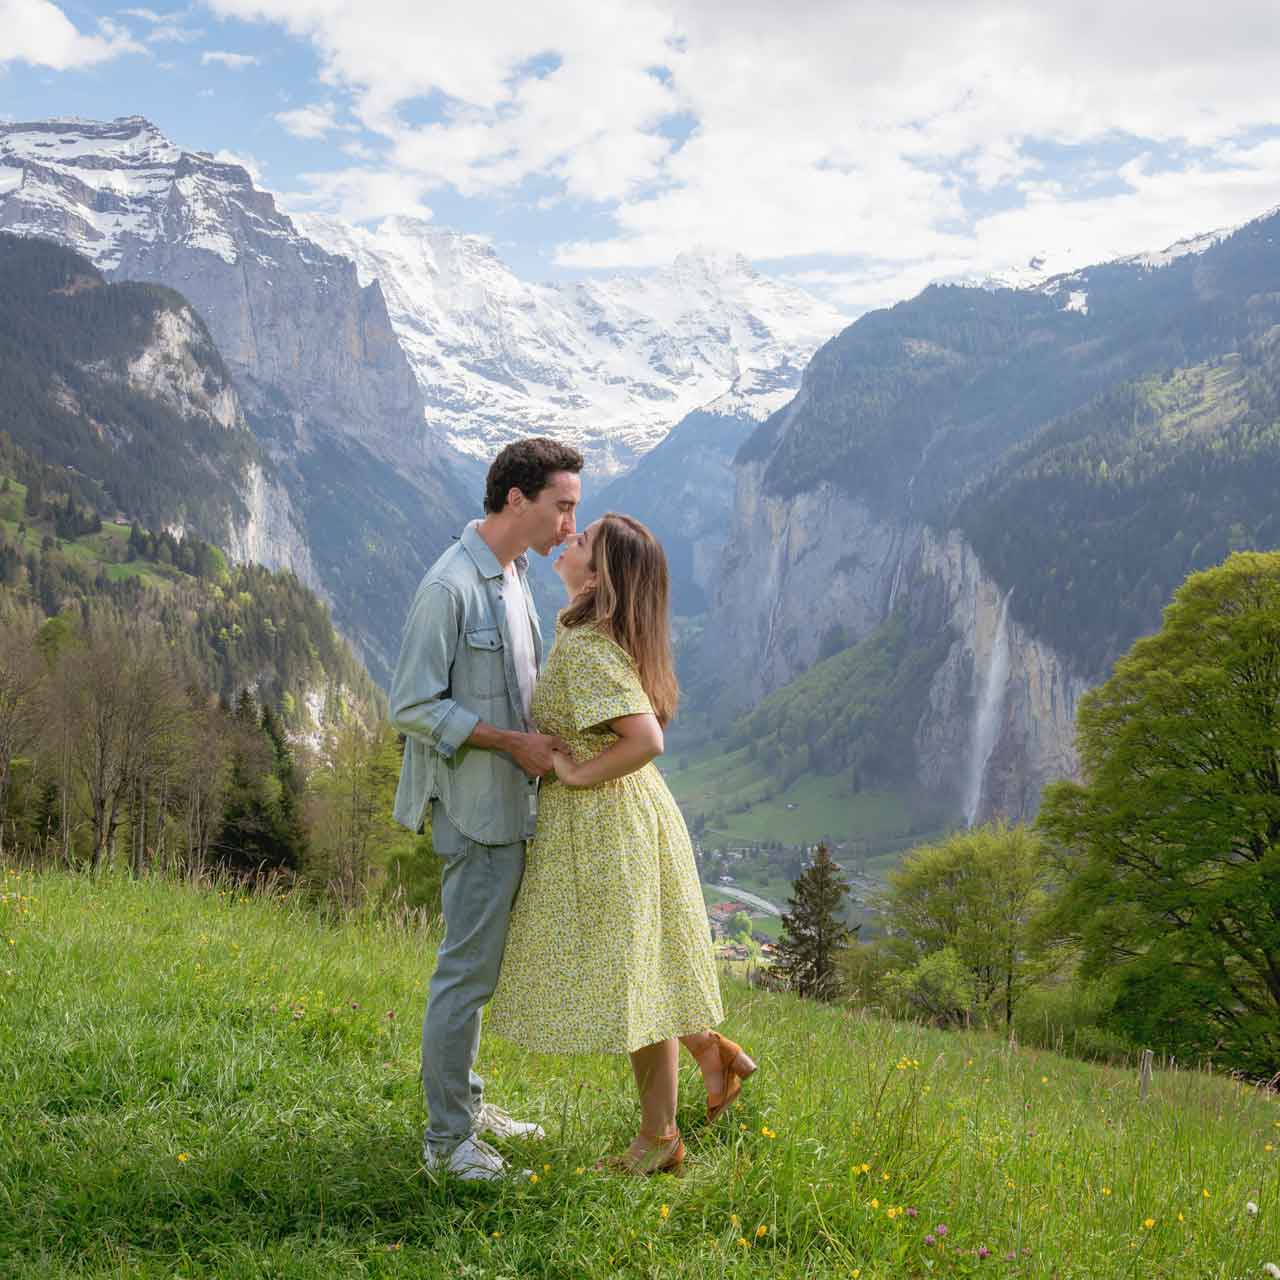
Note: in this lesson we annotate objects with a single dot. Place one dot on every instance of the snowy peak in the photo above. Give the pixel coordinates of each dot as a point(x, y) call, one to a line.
point(608, 365)
point(1049, 272)
point(107, 188)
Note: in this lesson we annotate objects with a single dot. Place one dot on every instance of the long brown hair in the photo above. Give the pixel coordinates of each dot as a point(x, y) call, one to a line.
point(629, 604)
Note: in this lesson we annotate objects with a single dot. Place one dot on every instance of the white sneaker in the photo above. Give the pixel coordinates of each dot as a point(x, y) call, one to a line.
point(471, 1161)
point(491, 1119)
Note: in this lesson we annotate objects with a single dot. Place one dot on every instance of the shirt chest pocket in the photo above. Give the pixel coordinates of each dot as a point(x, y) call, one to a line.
point(486, 665)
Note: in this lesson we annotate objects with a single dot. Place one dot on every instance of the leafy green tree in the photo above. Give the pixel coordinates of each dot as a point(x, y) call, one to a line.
point(978, 895)
point(813, 933)
point(1173, 839)
point(739, 925)
point(355, 841)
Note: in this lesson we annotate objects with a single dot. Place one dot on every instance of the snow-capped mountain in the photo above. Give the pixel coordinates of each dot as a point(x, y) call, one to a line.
point(284, 313)
point(607, 365)
point(1052, 273)
point(318, 368)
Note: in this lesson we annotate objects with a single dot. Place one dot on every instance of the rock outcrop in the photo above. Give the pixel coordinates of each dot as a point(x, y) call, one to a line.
point(797, 568)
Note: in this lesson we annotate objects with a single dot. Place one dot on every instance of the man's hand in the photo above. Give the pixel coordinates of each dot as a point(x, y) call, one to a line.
point(566, 768)
point(532, 752)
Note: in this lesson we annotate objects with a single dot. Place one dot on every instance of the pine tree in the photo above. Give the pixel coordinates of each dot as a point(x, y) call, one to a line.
point(813, 935)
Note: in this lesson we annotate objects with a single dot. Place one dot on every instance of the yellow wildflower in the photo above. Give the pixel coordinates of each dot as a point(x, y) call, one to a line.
point(761, 1230)
point(533, 1177)
point(183, 1157)
point(665, 1211)
point(744, 1242)
point(1205, 1192)
point(1106, 1191)
point(875, 1204)
point(546, 1168)
point(1148, 1223)
point(734, 1221)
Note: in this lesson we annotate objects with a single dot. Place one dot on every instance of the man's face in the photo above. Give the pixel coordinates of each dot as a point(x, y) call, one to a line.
point(547, 520)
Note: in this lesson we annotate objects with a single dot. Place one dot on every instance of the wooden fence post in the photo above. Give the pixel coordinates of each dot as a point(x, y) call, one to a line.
point(1144, 1073)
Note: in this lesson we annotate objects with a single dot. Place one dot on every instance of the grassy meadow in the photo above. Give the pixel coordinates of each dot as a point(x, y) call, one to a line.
point(194, 1083)
point(98, 552)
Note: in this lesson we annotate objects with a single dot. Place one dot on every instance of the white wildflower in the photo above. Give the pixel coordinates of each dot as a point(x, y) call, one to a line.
point(1272, 1270)
point(1250, 1208)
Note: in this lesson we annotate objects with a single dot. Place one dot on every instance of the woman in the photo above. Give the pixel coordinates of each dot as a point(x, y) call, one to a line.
point(608, 949)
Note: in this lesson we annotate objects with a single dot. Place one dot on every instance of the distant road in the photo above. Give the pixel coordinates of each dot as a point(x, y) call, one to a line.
point(730, 891)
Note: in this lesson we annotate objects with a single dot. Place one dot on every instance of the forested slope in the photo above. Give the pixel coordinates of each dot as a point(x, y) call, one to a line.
point(122, 384)
point(235, 627)
point(1095, 520)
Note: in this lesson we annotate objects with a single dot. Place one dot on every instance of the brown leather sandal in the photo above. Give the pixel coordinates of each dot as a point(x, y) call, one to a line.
point(737, 1066)
point(648, 1153)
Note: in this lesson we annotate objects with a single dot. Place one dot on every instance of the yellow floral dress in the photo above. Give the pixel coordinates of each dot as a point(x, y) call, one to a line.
point(608, 948)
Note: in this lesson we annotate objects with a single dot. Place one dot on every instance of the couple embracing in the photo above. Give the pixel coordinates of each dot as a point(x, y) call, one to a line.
point(570, 897)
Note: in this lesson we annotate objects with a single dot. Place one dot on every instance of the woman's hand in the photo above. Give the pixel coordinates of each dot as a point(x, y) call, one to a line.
point(567, 769)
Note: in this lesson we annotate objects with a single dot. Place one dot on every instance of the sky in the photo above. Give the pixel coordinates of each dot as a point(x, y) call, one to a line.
point(858, 148)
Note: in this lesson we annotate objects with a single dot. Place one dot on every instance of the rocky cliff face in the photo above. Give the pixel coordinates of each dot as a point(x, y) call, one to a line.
point(353, 492)
point(269, 533)
point(288, 318)
point(986, 462)
point(798, 568)
point(175, 366)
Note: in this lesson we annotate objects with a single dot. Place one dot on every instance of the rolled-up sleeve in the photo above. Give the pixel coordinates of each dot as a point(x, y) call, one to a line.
point(420, 705)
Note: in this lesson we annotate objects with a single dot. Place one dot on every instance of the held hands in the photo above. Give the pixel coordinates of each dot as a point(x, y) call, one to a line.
point(533, 752)
point(567, 769)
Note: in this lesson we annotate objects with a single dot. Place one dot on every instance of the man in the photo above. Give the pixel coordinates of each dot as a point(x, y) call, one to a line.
point(468, 660)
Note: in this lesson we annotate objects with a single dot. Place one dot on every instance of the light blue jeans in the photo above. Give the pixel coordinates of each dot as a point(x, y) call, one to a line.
point(479, 883)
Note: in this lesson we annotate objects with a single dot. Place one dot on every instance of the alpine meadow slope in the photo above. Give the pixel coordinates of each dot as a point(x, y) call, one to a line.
point(259, 1113)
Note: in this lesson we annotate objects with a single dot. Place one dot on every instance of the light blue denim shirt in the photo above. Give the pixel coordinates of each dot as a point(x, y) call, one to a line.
point(455, 670)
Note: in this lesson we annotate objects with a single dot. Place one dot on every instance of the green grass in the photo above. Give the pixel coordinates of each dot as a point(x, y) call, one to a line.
point(95, 551)
point(731, 785)
point(194, 1084)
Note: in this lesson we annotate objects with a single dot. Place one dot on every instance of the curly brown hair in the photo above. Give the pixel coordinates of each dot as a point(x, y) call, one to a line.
point(527, 465)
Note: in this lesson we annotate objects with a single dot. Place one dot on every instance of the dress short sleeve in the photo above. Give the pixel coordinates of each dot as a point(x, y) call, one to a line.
point(602, 682)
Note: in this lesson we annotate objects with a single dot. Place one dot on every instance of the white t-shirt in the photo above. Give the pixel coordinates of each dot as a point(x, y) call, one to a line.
point(521, 632)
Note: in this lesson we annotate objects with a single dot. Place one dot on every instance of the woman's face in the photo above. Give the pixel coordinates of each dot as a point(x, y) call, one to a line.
point(572, 564)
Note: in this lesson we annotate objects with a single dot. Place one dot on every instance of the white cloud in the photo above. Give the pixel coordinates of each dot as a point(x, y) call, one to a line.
point(38, 32)
point(232, 61)
point(314, 121)
point(875, 133)
point(358, 195)
point(166, 28)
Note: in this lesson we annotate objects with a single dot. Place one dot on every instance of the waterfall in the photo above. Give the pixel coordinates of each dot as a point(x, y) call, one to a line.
point(986, 724)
